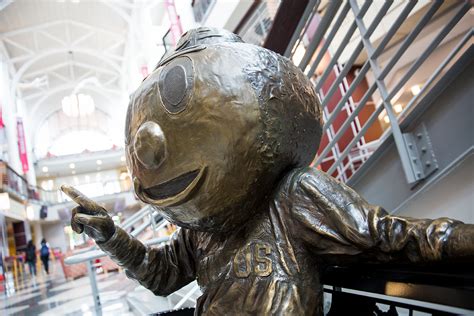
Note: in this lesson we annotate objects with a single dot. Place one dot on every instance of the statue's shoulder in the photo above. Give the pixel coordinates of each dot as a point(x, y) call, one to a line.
point(306, 176)
point(301, 179)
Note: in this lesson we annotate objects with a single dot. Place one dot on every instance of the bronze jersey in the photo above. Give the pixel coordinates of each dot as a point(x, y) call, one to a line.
point(272, 265)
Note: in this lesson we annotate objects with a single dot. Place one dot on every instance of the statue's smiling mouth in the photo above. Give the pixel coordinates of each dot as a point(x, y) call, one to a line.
point(172, 187)
point(173, 191)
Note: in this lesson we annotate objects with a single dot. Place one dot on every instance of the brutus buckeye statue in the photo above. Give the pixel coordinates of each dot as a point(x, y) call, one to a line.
point(219, 138)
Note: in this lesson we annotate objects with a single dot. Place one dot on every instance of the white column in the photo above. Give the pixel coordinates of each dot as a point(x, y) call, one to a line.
point(38, 232)
point(9, 118)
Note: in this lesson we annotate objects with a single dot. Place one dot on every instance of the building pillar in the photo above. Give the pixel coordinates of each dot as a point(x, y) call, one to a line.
point(7, 102)
point(38, 232)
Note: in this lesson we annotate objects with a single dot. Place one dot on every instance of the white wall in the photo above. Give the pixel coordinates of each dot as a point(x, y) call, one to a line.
point(451, 196)
point(55, 236)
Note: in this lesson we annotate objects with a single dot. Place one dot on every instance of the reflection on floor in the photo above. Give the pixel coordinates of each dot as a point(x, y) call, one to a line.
point(54, 295)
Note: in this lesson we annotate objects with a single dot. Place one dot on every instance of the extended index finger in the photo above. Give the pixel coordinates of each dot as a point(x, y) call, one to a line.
point(81, 199)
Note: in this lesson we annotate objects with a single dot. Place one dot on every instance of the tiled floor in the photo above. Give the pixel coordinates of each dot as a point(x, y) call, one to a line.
point(54, 295)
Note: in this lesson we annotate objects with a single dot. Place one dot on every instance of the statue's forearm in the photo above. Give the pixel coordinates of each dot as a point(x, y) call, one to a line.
point(125, 250)
point(460, 242)
point(162, 270)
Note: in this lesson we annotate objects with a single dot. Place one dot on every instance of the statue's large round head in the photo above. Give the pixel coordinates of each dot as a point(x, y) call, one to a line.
point(212, 130)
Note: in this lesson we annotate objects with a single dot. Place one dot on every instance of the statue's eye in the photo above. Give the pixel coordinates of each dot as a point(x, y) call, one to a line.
point(176, 84)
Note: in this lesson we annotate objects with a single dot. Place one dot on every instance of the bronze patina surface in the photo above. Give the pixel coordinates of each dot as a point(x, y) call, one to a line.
point(219, 138)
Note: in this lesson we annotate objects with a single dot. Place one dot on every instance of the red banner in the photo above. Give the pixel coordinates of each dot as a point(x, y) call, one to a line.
point(2, 124)
point(22, 145)
point(176, 29)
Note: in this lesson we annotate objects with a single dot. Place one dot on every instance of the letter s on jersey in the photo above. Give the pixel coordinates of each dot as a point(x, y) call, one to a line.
point(254, 258)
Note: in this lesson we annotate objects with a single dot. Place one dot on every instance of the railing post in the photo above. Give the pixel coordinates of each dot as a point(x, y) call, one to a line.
point(95, 291)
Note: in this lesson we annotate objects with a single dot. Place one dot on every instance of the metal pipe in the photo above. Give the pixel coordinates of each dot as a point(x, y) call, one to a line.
point(436, 73)
point(358, 49)
point(152, 220)
point(186, 297)
point(411, 37)
point(330, 37)
point(365, 68)
point(143, 226)
point(342, 46)
point(371, 89)
point(402, 81)
point(95, 289)
point(364, 129)
point(447, 28)
point(323, 25)
point(405, 159)
point(312, 4)
point(135, 217)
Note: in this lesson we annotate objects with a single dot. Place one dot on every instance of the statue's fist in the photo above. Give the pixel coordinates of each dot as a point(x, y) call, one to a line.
point(89, 217)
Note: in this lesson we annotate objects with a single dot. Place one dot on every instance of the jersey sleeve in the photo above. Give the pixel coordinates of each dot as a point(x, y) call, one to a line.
point(334, 222)
point(162, 269)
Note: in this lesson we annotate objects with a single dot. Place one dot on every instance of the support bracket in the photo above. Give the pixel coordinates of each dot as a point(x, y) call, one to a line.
point(421, 155)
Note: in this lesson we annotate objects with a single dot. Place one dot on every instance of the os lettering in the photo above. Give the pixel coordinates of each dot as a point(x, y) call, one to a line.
point(253, 258)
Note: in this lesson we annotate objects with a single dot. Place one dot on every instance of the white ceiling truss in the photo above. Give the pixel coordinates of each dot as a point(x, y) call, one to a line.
point(31, 47)
point(55, 48)
point(51, 47)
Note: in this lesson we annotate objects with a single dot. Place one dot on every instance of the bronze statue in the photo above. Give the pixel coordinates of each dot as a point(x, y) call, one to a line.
point(219, 138)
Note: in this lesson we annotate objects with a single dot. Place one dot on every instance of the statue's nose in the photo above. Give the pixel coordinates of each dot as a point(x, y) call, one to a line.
point(150, 145)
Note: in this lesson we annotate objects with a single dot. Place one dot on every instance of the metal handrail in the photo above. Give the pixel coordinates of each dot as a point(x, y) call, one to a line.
point(129, 222)
point(96, 254)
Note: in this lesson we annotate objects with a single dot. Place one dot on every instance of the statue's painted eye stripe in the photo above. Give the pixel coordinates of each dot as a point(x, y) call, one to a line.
point(176, 84)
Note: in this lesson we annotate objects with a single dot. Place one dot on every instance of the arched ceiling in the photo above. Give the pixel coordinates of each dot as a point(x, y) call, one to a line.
point(54, 45)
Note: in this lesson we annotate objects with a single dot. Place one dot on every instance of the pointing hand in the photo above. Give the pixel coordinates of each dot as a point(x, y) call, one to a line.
point(89, 217)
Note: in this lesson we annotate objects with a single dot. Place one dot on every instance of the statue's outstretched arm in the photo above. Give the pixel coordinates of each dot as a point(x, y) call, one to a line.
point(335, 221)
point(162, 270)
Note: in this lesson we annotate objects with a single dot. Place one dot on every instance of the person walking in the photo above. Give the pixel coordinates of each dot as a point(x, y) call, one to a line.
point(44, 254)
point(31, 257)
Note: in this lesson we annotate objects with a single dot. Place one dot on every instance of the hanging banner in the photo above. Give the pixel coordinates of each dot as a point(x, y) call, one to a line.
point(22, 145)
point(2, 124)
point(144, 71)
point(175, 29)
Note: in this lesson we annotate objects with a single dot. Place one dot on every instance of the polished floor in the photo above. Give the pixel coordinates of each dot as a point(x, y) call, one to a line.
point(54, 295)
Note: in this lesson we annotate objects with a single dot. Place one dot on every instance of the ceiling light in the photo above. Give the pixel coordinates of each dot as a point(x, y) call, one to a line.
point(73, 172)
point(99, 162)
point(72, 165)
point(45, 169)
point(386, 119)
point(122, 158)
point(398, 108)
point(415, 89)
